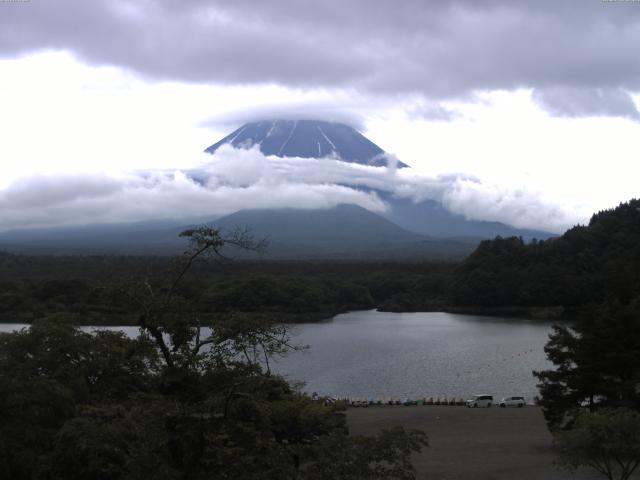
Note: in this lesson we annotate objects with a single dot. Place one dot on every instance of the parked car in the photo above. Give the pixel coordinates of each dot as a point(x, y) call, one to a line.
point(513, 402)
point(481, 401)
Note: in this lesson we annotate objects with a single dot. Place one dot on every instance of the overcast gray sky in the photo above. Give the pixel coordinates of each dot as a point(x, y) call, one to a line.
point(537, 101)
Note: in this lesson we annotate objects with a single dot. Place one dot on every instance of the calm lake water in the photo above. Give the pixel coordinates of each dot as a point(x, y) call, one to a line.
point(377, 354)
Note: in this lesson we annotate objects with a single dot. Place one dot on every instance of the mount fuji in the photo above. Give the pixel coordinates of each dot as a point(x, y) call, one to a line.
point(307, 139)
point(321, 139)
point(406, 230)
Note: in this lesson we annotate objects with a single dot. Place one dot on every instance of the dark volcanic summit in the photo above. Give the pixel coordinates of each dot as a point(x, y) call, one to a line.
point(306, 139)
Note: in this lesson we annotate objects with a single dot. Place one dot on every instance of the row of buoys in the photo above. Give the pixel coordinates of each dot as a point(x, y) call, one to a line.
point(496, 363)
point(365, 402)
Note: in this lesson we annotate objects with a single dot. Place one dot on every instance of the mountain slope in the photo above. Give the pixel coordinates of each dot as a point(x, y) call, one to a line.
point(149, 237)
point(306, 139)
point(431, 218)
point(350, 225)
point(422, 229)
point(346, 231)
point(317, 139)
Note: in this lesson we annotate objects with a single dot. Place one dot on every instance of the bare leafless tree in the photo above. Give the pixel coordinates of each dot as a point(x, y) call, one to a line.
point(179, 336)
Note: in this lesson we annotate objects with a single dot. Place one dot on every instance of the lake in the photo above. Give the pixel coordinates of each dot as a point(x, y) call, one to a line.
point(380, 354)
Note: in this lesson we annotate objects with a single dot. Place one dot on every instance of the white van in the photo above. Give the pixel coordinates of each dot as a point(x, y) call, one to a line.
point(481, 401)
point(512, 402)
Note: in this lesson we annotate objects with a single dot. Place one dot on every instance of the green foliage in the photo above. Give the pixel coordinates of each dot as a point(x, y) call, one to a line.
point(387, 455)
point(47, 371)
point(588, 264)
point(106, 442)
point(607, 441)
point(95, 288)
point(178, 402)
point(597, 364)
point(67, 413)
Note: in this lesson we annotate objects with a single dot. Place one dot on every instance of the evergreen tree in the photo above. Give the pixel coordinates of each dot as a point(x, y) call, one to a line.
point(597, 364)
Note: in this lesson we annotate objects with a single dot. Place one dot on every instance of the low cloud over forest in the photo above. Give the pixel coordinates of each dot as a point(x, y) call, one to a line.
point(235, 179)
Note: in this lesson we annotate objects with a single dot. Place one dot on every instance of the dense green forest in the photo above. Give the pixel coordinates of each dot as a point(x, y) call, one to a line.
point(588, 264)
point(94, 286)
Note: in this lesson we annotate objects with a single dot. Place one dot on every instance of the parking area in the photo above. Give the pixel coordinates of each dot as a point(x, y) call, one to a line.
point(466, 443)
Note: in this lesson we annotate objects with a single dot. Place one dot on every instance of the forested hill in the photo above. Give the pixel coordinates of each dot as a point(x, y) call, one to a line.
point(588, 264)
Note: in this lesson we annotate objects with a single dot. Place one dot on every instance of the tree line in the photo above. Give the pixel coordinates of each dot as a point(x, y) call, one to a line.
point(175, 403)
point(93, 286)
point(587, 265)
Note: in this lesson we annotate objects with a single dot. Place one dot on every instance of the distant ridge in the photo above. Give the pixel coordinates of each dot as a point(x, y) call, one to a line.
point(429, 217)
point(345, 231)
point(342, 232)
point(405, 230)
point(346, 226)
point(306, 139)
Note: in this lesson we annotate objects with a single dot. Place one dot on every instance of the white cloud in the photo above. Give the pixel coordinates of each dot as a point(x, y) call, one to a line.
point(70, 129)
point(235, 179)
point(585, 102)
point(441, 50)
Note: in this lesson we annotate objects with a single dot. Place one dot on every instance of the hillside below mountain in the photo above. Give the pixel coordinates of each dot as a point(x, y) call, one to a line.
point(346, 231)
point(343, 232)
point(153, 237)
point(429, 217)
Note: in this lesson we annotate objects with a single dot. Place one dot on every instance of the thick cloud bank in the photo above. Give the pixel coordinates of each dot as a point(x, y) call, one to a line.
point(236, 179)
point(580, 57)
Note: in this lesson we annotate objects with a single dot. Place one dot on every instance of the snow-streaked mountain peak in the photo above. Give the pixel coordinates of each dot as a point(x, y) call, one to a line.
point(306, 139)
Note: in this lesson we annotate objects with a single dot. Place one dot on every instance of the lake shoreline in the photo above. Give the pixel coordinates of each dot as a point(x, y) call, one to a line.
point(547, 313)
point(371, 354)
point(131, 320)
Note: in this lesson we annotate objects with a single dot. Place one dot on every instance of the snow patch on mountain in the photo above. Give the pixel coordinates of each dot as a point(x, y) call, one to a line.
point(307, 139)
